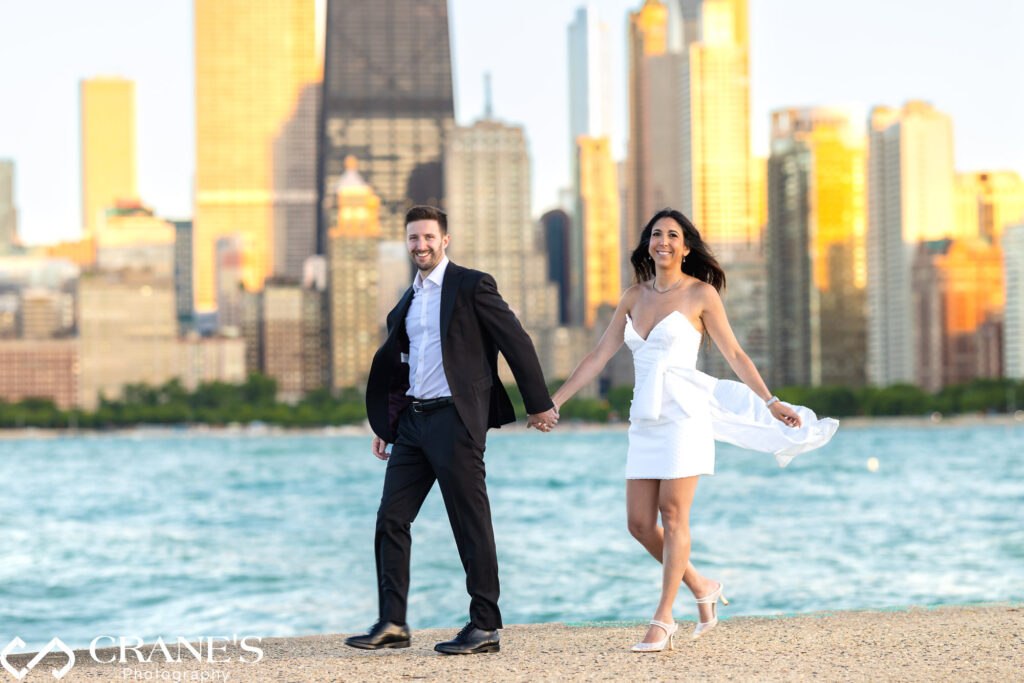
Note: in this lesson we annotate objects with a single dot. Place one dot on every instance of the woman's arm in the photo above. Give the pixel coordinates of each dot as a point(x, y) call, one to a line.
point(594, 362)
point(718, 327)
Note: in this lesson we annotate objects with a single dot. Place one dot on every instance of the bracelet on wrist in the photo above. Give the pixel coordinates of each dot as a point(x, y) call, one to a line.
point(769, 402)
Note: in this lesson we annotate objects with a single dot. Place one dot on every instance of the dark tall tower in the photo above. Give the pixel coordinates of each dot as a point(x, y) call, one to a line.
point(557, 228)
point(387, 101)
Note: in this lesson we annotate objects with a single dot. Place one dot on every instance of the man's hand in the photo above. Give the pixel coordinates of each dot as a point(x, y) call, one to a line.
point(543, 422)
point(380, 448)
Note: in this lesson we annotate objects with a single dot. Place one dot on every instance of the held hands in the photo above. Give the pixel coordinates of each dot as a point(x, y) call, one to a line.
point(380, 448)
point(543, 422)
point(785, 414)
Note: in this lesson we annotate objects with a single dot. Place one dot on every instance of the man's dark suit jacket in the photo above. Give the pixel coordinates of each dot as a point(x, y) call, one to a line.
point(475, 324)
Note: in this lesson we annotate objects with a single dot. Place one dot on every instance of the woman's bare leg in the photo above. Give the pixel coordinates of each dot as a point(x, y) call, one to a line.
point(642, 505)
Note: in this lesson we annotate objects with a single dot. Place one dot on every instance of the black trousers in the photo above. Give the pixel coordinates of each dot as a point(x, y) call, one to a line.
point(435, 445)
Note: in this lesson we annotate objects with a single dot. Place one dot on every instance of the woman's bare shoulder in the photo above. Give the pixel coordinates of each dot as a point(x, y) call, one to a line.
point(631, 294)
point(707, 293)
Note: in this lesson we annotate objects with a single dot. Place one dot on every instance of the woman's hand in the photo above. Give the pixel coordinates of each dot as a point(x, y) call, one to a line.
point(783, 413)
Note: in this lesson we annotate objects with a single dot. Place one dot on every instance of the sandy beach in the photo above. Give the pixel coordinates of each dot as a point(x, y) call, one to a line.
point(966, 642)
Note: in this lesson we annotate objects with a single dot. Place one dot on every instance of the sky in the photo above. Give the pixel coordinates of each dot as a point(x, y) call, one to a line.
point(967, 59)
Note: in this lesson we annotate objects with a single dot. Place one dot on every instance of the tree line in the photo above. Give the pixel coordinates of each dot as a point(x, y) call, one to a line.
point(254, 401)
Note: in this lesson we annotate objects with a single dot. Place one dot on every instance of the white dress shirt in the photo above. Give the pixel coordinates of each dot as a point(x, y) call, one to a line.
point(423, 325)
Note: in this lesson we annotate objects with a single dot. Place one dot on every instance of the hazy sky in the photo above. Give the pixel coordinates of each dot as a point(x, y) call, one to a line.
point(965, 58)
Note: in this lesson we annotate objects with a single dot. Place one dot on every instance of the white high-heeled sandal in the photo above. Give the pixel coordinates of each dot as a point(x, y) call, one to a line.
point(670, 630)
point(705, 626)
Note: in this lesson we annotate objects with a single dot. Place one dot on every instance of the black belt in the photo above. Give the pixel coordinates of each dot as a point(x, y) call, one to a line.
point(426, 405)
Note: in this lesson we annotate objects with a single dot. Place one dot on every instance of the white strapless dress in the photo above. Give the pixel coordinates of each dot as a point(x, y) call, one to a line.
point(678, 412)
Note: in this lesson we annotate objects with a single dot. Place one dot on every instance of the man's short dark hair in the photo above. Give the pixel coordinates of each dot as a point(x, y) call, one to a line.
point(428, 213)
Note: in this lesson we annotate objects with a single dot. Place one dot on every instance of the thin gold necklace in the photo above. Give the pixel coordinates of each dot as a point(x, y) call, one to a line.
point(665, 291)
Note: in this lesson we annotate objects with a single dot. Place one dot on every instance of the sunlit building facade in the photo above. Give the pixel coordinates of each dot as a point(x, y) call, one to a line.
point(590, 73)
point(257, 90)
point(987, 202)
point(715, 154)
point(815, 247)
point(647, 40)
point(353, 276)
point(910, 199)
point(958, 301)
point(108, 143)
point(599, 213)
point(590, 114)
point(388, 101)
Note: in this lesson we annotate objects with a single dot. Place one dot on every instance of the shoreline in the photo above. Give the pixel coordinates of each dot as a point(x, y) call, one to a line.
point(363, 430)
point(979, 641)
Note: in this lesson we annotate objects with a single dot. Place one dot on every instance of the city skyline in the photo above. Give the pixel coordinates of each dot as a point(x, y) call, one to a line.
point(42, 138)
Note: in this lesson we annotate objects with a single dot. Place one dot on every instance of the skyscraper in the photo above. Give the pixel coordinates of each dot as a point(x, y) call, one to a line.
point(353, 245)
point(108, 147)
point(715, 109)
point(230, 254)
point(815, 247)
point(599, 214)
point(590, 71)
point(987, 202)
point(183, 298)
point(717, 174)
point(292, 328)
point(957, 301)
point(388, 102)
point(1013, 277)
point(257, 88)
point(8, 214)
point(648, 34)
point(556, 225)
point(487, 172)
point(590, 116)
point(910, 198)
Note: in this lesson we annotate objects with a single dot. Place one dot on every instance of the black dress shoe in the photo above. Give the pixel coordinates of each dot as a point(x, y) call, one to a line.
point(470, 641)
point(383, 634)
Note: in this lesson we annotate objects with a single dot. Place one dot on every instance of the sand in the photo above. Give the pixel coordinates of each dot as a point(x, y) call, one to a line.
point(968, 642)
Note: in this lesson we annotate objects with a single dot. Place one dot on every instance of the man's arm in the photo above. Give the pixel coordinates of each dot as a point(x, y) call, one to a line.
point(513, 342)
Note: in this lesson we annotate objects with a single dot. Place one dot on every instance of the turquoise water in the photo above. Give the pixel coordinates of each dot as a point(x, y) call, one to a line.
point(272, 536)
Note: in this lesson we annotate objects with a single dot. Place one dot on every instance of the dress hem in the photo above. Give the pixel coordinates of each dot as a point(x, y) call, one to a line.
point(682, 476)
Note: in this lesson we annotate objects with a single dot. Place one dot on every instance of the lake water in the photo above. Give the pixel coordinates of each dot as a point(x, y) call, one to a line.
point(200, 535)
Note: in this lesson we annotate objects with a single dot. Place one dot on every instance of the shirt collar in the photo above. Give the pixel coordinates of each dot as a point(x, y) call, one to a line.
point(436, 275)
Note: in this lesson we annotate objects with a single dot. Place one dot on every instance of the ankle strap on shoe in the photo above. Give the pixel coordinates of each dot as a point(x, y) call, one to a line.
point(667, 627)
point(712, 597)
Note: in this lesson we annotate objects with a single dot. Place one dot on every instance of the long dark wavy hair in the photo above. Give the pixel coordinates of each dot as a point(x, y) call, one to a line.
point(700, 262)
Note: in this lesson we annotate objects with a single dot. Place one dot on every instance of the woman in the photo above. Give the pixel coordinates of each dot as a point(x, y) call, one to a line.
point(677, 412)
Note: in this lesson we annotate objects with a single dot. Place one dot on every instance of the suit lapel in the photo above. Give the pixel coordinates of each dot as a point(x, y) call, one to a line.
point(401, 310)
point(449, 287)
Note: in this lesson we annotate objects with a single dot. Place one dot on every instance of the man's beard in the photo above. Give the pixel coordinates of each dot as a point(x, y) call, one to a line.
point(433, 258)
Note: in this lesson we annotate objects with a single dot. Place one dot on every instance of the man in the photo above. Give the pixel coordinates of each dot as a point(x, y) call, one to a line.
point(433, 391)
